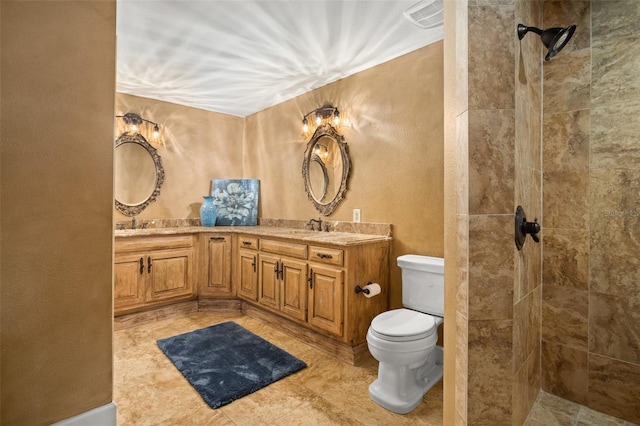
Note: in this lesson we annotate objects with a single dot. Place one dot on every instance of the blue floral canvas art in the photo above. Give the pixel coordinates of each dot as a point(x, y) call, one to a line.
point(236, 201)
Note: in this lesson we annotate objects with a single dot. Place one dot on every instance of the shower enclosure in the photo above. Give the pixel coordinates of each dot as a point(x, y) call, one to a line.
point(560, 139)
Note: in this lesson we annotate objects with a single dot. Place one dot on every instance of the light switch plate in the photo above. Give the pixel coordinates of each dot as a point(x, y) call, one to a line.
point(356, 215)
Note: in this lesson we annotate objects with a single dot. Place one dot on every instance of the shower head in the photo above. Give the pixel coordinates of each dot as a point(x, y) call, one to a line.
point(554, 39)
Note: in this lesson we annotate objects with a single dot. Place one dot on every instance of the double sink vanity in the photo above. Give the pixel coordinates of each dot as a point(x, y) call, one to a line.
point(299, 280)
point(300, 277)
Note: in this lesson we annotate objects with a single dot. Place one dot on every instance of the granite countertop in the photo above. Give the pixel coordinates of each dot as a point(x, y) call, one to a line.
point(337, 238)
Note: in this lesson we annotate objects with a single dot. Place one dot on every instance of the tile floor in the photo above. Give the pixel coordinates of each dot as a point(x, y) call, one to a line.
point(149, 390)
point(549, 410)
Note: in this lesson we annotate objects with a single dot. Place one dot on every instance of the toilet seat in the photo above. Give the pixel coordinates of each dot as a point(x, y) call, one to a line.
point(402, 325)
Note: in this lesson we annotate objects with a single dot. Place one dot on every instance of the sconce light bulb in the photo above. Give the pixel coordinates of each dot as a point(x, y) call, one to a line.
point(134, 127)
point(156, 131)
point(318, 118)
point(305, 125)
point(336, 117)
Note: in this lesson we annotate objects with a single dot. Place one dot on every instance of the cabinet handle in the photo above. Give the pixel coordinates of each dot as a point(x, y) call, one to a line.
point(254, 264)
point(141, 266)
point(281, 271)
point(310, 279)
point(149, 264)
point(246, 243)
point(324, 256)
point(216, 239)
point(275, 270)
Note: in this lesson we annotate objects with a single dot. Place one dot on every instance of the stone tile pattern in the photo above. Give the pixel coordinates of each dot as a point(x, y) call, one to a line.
point(549, 410)
point(498, 293)
point(334, 226)
point(149, 390)
point(591, 267)
point(500, 296)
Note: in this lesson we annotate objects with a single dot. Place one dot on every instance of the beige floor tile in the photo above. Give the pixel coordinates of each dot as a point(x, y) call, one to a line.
point(149, 390)
point(589, 417)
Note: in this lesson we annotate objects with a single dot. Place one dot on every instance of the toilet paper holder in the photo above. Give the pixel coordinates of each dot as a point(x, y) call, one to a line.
point(362, 289)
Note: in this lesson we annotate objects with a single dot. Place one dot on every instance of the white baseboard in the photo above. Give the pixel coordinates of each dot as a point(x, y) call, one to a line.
point(101, 416)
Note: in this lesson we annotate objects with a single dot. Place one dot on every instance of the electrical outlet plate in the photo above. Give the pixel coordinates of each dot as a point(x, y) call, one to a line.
point(356, 215)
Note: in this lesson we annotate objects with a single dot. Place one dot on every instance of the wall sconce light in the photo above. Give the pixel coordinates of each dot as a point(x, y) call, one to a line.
point(136, 124)
point(325, 114)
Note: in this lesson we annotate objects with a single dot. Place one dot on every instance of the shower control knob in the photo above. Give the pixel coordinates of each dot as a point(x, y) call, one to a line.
point(522, 228)
point(532, 228)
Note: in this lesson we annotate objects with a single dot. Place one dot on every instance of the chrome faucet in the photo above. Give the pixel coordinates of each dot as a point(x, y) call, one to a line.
point(134, 223)
point(318, 221)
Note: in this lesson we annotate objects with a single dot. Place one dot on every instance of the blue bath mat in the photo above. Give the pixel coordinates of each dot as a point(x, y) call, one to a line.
point(225, 361)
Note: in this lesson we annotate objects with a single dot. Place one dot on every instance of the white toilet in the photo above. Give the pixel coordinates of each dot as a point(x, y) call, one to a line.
point(404, 340)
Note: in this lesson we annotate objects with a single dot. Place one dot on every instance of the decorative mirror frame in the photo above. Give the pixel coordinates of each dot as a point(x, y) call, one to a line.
point(326, 130)
point(132, 210)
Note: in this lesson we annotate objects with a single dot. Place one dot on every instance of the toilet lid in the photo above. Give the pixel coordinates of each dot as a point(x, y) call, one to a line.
point(403, 324)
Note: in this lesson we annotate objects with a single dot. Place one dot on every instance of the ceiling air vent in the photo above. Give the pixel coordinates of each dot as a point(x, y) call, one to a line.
point(426, 13)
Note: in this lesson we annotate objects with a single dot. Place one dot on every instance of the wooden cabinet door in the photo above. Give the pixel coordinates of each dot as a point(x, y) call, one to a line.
point(170, 273)
point(129, 275)
point(218, 264)
point(326, 298)
point(269, 288)
point(293, 288)
point(248, 274)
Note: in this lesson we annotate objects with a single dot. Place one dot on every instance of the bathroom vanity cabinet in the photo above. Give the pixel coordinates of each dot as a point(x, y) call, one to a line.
point(246, 269)
point(152, 271)
point(214, 254)
point(282, 278)
point(299, 281)
point(326, 289)
point(314, 286)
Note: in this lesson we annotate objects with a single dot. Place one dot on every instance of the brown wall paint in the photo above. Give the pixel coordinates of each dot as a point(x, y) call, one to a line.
point(395, 144)
point(58, 74)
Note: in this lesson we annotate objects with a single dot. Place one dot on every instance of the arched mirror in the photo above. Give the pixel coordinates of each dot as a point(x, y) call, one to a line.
point(325, 169)
point(138, 174)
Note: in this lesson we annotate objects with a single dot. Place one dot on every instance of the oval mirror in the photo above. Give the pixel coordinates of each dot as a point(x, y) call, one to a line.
point(138, 174)
point(325, 169)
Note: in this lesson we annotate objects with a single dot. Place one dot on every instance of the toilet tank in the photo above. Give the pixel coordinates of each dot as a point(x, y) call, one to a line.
point(423, 283)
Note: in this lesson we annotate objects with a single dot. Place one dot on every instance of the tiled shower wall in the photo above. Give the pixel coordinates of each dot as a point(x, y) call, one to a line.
point(503, 286)
point(591, 188)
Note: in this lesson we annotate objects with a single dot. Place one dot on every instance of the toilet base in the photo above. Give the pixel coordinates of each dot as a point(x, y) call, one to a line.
point(400, 389)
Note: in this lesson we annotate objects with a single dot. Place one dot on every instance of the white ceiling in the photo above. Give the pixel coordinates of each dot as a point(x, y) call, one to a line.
point(241, 56)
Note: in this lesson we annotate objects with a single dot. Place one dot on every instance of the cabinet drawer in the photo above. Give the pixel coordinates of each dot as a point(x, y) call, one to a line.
point(248, 242)
point(143, 244)
point(283, 247)
point(326, 255)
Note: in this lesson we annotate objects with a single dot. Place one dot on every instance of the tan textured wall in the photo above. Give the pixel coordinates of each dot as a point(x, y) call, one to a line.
point(58, 73)
point(197, 146)
point(590, 309)
point(395, 144)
